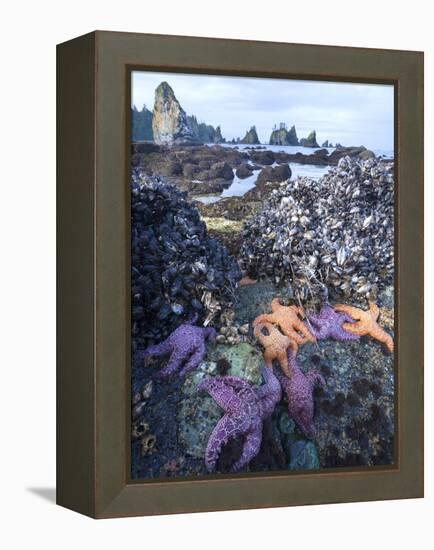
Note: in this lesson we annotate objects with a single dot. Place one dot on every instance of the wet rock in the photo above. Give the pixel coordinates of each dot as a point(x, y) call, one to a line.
point(145, 147)
point(275, 174)
point(245, 360)
point(304, 456)
point(221, 170)
point(190, 170)
point(198, 413)
point(263, 157)
point(244, 171)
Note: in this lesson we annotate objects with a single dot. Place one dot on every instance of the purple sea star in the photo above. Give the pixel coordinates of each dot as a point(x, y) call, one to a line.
point(299, 388)
point(246, 407)
point(186, 346)
point(328, 324)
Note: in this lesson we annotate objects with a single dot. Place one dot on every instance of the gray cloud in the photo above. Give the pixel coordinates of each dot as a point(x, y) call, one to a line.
point(353, 114)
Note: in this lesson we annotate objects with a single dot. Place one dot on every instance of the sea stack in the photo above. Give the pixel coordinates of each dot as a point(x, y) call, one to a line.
point(169, 120)
point(251, 137)
point(310, 141)
point(283, 136)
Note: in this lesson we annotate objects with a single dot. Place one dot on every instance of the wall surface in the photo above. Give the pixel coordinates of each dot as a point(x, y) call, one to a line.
point(29, 32)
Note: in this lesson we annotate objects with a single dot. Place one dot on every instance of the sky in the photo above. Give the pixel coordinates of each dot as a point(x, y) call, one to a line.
point(351, 114)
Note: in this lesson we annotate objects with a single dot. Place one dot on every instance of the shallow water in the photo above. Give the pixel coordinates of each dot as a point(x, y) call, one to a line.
point(239, 187)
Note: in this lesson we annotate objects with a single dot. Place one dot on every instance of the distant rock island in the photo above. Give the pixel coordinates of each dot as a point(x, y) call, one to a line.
point(310, 141)
point(283, 136)
point(168, 123)
point(251, 137)
point(169, 120)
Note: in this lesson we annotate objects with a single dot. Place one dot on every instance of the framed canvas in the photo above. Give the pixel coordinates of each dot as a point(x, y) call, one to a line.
point(240, 274)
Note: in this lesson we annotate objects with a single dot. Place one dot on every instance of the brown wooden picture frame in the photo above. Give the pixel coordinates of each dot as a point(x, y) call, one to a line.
point(93, 361)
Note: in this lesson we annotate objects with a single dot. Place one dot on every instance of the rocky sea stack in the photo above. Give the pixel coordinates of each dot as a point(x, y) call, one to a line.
point(178, 270)
point(251, 137)
point(169, 120)
point(310, 141)
point(283, 136)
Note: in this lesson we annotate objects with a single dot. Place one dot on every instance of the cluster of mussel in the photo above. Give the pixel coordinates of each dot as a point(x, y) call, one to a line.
point(335, 233)
point(177, 269)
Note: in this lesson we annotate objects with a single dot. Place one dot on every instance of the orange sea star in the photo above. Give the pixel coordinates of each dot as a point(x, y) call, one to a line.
point(366, 323)
point(275, 346)
point(287, 318)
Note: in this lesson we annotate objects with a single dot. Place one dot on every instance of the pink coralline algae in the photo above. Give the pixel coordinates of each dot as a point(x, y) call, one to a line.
point(328, 324)
point(246, 407)
point(299, 390)
point(186, 346)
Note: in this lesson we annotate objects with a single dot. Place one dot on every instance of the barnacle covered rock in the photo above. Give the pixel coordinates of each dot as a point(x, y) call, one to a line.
point(177, 269)
point(334, 234)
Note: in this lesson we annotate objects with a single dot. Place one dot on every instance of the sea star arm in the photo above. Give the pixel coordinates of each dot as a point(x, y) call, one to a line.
point(283, 362)
point(339, 333)
point(374, 310)
point(264, 318)
point(252, 444)
point(269, 355)
point(159, 349)
point(223, 394)
point(353, 312)
point(194, 359)
point(315, 377)
point(383, 337)
point(270, 392)
point(275, 304)
point(224, 430)
point(210, 333)
point(293, 335)
point(356, 328)
point(176, 359)
point(237, 383)
point(302, 328)
point(300, 310)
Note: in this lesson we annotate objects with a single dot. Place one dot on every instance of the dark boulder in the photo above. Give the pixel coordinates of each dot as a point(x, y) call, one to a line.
point(244, 171)
point(365, 155)
point(221, 170)
point(263, 157)
point(274, 175)
point(281, 156)
point(190, 170)
point(171, 168)
point(202, 176)
point(144, 147)
point(204, 164)
point(321, 153)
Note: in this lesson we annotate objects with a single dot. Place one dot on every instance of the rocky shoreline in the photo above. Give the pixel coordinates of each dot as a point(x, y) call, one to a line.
point(203, 169)
point(210, 273)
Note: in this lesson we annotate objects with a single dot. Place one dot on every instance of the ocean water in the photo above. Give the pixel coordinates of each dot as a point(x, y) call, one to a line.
point(239, 187)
